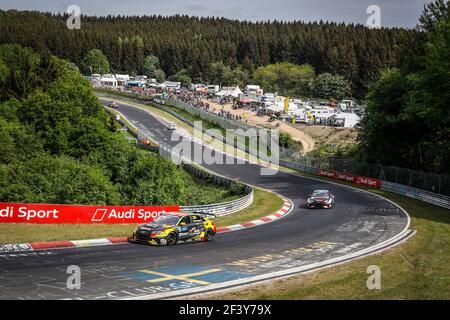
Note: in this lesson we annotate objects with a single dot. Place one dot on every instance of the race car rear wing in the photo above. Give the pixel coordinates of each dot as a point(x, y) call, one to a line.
point(206, 214)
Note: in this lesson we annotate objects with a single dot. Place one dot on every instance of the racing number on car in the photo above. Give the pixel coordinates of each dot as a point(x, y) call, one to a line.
point(197, 225)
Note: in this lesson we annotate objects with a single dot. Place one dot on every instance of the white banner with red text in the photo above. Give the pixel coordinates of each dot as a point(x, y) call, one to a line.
point(348, 177)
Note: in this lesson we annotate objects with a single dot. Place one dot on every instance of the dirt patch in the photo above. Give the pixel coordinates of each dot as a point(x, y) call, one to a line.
point(338, 137)
point(251, 117)
point(309, 136)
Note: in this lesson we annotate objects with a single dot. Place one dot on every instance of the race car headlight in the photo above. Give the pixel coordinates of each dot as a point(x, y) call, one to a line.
point(310, 200)
point(157, 233)
point(328, 201)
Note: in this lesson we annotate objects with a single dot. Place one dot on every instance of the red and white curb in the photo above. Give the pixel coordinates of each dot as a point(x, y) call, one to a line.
point(285, 210)
point(25, 247)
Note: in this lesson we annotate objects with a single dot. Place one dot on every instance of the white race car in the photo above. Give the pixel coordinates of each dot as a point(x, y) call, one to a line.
point(320, 199)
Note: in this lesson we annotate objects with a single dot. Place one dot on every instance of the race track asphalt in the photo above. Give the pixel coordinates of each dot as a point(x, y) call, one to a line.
point(358, 220)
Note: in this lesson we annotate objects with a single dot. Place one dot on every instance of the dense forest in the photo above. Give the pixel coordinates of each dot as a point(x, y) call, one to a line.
point(58, 144)
point(193, 45)
point(407, 122)
point(404, 72)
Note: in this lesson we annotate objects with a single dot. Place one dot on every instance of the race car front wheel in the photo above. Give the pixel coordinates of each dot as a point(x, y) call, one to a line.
point(208, 234)
point(171, 239)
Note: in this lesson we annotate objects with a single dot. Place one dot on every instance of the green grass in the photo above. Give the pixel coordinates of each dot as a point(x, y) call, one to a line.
point(417, 269)
point(24, 233)
point(265, 203)
point(200, 192)
point(188, 116)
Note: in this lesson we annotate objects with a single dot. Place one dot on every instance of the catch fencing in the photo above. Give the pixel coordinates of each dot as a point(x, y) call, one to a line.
point(431, 188)
point(242, 141)
point(218, 209)
point(427, 187)
point(405, 190)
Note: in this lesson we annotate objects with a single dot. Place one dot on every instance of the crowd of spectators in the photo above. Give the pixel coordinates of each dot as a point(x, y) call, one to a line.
point(197, 100)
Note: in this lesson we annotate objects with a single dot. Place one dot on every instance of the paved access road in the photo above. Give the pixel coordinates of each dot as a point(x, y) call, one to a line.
point(359, 220)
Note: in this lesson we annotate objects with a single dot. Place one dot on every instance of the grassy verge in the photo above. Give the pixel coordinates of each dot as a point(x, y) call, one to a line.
point(24, 233)
point(188, 116)
point(264, 203)
point(169, 117)
point(200, 192)
point(180, 124)
point(417, 269)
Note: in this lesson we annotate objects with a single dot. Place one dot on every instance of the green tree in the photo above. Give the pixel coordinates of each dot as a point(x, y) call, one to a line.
point(183, 77)
point(407, 118)
point(94, 62)
point(58, 144)
point(160, 75)
point(50, 179)
point(4, 72)
point(285, 78)
point(20, 71)
point(330, 86)
point(151, 64)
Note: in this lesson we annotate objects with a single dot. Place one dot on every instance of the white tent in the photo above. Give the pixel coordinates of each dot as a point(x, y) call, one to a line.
point(275, 108)
point(351, 119)
point(236, 92)
point(222, 93)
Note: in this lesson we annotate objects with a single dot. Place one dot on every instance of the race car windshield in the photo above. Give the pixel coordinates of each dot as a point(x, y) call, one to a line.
point(167, 219)
point(320, 193)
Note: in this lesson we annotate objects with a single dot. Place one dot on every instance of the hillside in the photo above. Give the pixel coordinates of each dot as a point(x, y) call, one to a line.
point(191, 45)
point(58, 144)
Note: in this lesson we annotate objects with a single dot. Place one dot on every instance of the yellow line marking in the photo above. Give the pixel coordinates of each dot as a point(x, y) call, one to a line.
point(184, 277)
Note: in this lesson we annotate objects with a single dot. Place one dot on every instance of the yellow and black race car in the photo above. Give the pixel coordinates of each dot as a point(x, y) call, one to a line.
point(170, 228)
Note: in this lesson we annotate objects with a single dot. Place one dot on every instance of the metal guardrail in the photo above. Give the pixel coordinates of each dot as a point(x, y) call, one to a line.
point(298, 166)
point(224, 208)
point(219, 209)
point(210, 116)
point(238, 145)
point(411, 192)
point(426, 196)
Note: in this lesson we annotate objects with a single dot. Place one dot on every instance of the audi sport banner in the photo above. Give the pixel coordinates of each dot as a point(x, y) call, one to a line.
point(369, 182)
point(78, 214)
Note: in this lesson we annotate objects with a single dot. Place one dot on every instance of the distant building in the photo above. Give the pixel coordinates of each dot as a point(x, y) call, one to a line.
point(122, 79)
point(213, 89)
point(108, 80)
point(172, 85)
point(140, 78)
point(254, 90)
point(136, 84)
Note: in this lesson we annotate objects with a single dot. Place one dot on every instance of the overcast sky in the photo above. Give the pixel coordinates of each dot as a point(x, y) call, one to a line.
point(402, 13)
